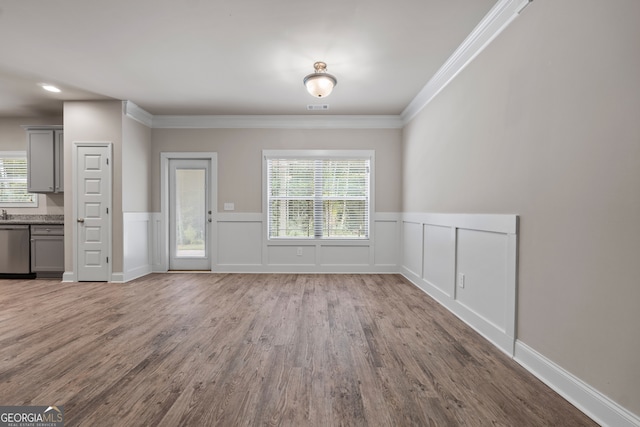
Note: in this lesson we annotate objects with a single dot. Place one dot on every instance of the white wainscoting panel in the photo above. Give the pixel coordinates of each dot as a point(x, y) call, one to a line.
point(242, 246)
point(344, 255)
point(158, 233)
point(289, 255)
point(483, 247)
point(137, 244)
point(387, 245)
point(239, 242)
point(482, 259)
point(412, 247)
point(439, 258)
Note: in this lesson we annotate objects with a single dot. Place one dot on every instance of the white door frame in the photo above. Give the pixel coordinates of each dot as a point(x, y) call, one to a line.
point(164, 202)
point(74, 219)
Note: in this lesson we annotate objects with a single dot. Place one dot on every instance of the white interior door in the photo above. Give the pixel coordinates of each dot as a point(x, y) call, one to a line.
point(189, 214)
point(93, 210)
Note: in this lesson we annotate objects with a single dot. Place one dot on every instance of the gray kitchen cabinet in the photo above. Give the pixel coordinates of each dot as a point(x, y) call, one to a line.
point(47, 249)
point(45, 159)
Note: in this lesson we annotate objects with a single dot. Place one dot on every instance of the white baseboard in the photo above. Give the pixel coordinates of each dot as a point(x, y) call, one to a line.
point(117, 278)
point(68, 276)
point(304, 269)
point(137, 272)
point(597, 406)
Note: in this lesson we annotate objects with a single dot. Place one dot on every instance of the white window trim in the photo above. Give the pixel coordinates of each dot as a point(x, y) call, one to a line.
point(34, 203)
point(320, 154)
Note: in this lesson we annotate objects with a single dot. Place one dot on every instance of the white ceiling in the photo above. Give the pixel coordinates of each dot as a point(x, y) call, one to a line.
point(231, 57)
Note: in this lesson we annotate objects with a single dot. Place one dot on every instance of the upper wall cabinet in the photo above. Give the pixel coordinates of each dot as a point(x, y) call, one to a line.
point(45, 159)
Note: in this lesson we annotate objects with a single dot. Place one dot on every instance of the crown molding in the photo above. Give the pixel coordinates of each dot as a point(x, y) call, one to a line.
point(131, 110)
point(279, 122)
point(42, 127)
point(261, 121)
point(498, 18)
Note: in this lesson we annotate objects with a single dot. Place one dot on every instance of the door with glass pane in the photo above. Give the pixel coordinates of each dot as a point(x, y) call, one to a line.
point(189, 214)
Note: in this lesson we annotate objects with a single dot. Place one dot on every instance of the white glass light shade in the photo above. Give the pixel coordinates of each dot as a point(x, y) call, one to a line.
point(320, 84)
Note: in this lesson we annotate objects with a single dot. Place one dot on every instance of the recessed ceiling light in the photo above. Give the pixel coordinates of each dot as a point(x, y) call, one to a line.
point(49, 87)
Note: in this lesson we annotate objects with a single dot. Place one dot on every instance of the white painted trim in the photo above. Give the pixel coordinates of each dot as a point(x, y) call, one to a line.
point(136, 113)
point(42, 127)
point(68, 277)
point(306, 269)
point(319, 154)
point(497, 223)
point(307, 121)
point(511, 296)
point(320, 242)
point(278, 122)
point(498, 18)
point(135, 273)
point(118, 277)
point(386, 216)
point(594, 404)
point(157, 236)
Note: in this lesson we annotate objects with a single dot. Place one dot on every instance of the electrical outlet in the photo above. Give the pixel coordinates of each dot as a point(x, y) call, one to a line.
point(229, 206)
point(461, 280)
point(299, 252)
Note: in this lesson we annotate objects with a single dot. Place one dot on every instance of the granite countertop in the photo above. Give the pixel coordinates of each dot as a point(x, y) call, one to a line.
point(34, 219)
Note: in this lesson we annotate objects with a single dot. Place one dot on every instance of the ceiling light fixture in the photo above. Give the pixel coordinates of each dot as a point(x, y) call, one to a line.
point(49, 87)
point(320, 83)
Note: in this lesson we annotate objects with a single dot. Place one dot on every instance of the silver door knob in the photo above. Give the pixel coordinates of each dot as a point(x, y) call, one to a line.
point(80, 219)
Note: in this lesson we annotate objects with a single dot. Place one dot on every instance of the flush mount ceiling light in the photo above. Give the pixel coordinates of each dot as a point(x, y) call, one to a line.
point(320, 83)
point(50, 88)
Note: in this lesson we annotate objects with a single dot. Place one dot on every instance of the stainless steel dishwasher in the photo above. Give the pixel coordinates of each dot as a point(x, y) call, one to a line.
point(14, 249)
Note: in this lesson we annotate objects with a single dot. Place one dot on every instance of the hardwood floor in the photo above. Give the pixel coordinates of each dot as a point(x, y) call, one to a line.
point(244, 349)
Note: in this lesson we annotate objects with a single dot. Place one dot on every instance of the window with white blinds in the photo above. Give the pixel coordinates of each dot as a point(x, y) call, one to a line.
point(318, 198)
point(13, 181)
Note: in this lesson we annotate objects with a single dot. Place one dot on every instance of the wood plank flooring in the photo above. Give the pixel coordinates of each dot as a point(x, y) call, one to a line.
point(259, 349)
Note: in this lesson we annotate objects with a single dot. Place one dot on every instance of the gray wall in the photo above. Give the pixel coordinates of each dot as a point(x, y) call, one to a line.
point(136, 166)
point(95, 121)
point(545, 123)
point(240, 158)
